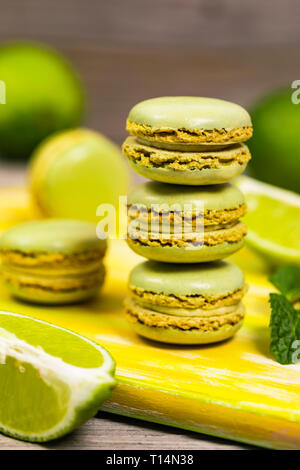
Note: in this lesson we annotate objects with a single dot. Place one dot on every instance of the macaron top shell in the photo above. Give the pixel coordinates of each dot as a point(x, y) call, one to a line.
point(190, 113)
point(215, 197)
point(54, 236)
point(207, 279)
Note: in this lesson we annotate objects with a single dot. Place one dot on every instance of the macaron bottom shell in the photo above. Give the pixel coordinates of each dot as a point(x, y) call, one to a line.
point(46, 287)
point(39, 295)
point(192, 254)
point(177, 335)
point(188, 337)
point(205, 176)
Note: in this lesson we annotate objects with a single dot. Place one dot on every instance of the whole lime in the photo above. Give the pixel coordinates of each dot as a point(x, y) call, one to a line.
point(275, 144)
point(75, 171)
point(43, 95)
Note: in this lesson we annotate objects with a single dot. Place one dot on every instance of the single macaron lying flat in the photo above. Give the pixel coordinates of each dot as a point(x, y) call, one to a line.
point(186, 167)
point(53, 261)
point(186, 304)
point(189, 123)
point(185, 224)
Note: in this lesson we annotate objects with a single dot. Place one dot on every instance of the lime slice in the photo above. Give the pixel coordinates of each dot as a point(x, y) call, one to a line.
point(273, 220)
point(51, 379)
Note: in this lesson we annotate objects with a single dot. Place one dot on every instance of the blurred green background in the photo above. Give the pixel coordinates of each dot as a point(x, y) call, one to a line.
point(128, 51)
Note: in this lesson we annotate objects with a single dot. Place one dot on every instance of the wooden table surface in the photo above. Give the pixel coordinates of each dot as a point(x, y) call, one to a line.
point(112, 432)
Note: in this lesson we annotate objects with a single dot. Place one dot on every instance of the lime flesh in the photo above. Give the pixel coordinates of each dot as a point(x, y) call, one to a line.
point(273, 221)
point(51, 380)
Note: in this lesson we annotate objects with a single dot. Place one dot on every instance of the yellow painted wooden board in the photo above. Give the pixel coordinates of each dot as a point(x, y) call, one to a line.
point(233, 390)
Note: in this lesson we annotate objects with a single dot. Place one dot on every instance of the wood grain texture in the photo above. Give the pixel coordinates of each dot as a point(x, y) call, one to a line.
point(133, 50)
point(116, 79)
point(191, 23)
point(110, 432)
point(12, 175)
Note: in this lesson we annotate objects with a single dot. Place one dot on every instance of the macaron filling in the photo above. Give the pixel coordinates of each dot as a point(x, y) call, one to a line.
point(152, 228)
point(147, 135)
point(230, 234)
point(150, 157)
point(65, 283)
point(44, 259)
point(211, 216)
point(213, 320)
point(186, 301)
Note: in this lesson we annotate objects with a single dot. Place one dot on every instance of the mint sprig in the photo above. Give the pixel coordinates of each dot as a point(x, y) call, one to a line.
point(285, 319)
point(287, 281)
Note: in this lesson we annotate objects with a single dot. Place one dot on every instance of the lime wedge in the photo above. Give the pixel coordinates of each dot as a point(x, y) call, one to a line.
point(51, 379)
point(273, 220)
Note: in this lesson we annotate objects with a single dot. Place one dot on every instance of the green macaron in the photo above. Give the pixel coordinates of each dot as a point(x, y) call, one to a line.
point(185, 224)
point(186, 167)
point(53, 261)
point(186, 304)
point(189, 123)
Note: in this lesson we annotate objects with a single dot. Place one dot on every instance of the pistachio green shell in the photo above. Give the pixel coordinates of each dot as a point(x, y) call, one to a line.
point(173, 254)
point(205, 176)
point(191, 113)
point(180, 146)
point(207, 279)
point(38, 295)
point(194, 336)
point(54, 236)
point(218, 197)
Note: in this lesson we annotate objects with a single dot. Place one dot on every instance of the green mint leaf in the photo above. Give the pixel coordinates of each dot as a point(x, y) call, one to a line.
point(285, 330)
point(287, 281)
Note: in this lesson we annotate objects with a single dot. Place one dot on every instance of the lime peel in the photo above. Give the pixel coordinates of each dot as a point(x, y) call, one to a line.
point(251, 185)
point(79, 390)
point(273, 220)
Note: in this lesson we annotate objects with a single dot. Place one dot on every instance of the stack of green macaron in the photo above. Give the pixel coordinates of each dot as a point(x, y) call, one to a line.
point(187, 219)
